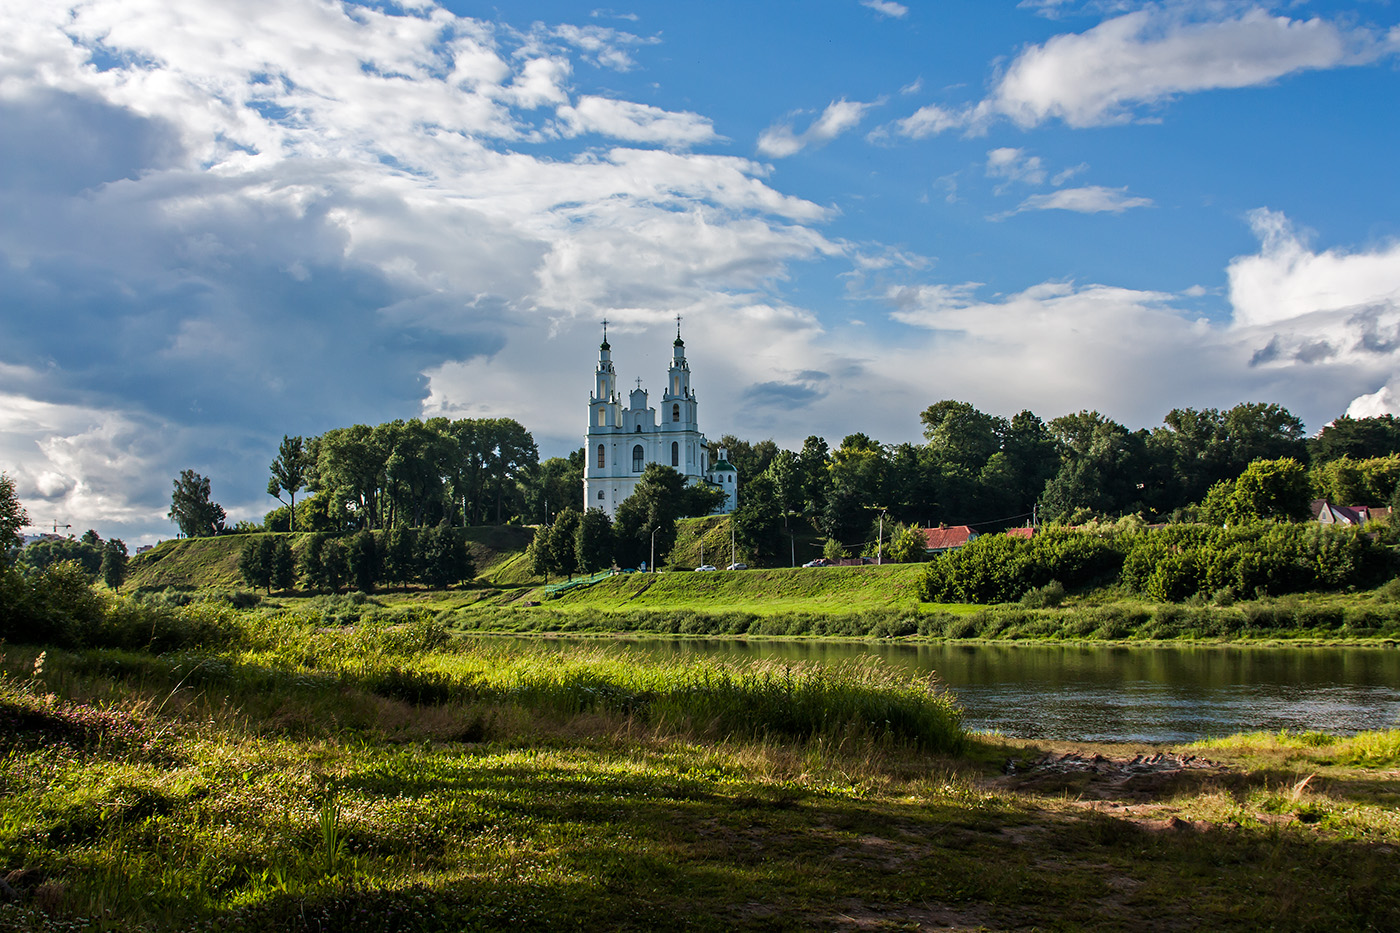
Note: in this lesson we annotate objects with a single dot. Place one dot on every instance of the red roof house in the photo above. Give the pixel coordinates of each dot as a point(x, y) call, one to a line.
point(940, 539)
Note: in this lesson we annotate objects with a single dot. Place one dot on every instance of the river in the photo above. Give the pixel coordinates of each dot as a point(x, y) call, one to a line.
point(1111, 693)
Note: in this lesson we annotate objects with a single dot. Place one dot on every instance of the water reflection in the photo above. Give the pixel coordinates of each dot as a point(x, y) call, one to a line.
point(1174, 694)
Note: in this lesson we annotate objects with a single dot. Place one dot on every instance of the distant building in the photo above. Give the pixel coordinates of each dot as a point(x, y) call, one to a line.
point(621, 441)
point(941, 539)
point(1326, 513)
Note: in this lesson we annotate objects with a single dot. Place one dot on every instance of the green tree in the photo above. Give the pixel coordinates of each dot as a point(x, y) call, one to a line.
point(443, 558)
point(593, 541)
point(1358, 438)
point(758, 522)
point(907, 545)
point(255, 562)
point(13, 517)
point(114, 559)
point(362, 561)
point(649, 516)
point(400, 565)
point(832, 550)
point(289, 473)
point(191, 508)
point(562, 542)
point(1271, 489)
point(284, 571)
point(91, 537)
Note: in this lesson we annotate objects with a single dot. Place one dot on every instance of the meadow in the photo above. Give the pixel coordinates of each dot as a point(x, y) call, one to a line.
point(275, 768)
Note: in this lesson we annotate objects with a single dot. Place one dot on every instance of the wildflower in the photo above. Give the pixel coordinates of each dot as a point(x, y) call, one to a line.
point(39, 664)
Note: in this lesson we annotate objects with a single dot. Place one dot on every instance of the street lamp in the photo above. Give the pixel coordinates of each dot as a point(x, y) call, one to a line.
point(653, 547)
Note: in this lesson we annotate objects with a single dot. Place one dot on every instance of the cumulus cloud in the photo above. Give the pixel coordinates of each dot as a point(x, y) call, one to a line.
point(1092, 199)
point(1288, 280)
point(282, 216)
point(781, 140)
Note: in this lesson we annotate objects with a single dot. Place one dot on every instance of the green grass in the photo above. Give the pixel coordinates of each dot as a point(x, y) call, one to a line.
point(370, 780)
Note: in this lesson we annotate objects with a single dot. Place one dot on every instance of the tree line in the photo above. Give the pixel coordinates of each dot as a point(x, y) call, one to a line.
point(971, 467)
point(436, 557)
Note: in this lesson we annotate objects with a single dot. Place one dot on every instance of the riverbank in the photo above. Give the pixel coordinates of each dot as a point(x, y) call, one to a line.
point(375, 779)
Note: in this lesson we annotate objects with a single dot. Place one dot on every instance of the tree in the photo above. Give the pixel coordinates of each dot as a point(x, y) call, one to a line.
point(191, 508)
point(255, 562)
point(284, 571)
point(443, 558)
point(1268, 489)
point(562, 542)
point(13, 517)
point(1358, 438)
point(593, 543)
point(91, 537)
point(648, 516)
point(289, 473)
point(907, 545)
point(400, 564)
point(758, 522)
point(362, 561)
point(114, 563)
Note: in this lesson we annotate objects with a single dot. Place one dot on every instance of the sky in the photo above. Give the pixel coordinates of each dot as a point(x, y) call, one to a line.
point(223, 221)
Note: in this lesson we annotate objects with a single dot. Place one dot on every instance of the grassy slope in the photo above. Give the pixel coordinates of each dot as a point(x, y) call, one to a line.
point(843, 589)
point(213, 562)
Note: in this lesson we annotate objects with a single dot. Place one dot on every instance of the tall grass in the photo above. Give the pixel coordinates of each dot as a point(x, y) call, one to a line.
point(712, 697)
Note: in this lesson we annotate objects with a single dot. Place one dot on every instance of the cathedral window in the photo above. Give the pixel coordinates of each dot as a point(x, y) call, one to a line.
point(675, 412)
point(675, 454)
point(602, 417)
point(602, 457)
point(638, 458)
point(600, 494)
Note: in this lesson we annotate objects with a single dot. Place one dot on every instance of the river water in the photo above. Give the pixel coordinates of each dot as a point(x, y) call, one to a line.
point(1168, 694)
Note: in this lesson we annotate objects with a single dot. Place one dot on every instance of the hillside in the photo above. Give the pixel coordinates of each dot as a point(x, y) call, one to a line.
point(213, 562)
point(844, 589)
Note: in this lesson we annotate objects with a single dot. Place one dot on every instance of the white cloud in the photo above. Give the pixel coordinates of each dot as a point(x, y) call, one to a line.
point(635, 122)
point(1151, 55)
point(931, 120)
point(886, 8)
point(1092, 199)
point(1287, 280)
point(1015, 165)
point(780, 140)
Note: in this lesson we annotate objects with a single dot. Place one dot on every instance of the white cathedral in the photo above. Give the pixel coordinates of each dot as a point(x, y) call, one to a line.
point(622, 441)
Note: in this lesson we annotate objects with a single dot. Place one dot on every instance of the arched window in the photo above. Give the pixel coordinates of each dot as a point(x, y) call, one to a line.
point(675, 454)
point(638, 458)
point(639, 427)
point(602, 417)
point(676, 412)
point(602, 457)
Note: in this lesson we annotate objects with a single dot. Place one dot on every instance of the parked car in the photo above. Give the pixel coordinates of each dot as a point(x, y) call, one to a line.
point(706, 567)
point(737, 566)
point(819, 562)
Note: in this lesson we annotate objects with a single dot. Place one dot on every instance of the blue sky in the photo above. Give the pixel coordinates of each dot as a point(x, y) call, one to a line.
point(222, 221)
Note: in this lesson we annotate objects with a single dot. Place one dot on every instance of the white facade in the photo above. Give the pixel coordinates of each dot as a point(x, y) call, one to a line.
point(621, 441)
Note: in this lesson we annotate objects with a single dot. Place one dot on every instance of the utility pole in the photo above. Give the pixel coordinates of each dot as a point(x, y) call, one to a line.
point(733, 558)
point(880, 542)
point(652, 566)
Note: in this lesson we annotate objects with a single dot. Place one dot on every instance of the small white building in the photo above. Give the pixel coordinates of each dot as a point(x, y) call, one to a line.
point(621, 441)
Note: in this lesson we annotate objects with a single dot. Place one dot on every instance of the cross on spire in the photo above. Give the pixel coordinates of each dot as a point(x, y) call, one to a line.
point(639, 382)
point(678, 327)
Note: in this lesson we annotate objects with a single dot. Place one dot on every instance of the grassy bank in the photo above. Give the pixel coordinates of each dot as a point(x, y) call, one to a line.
point(377, 779)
